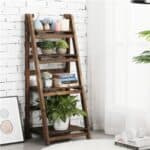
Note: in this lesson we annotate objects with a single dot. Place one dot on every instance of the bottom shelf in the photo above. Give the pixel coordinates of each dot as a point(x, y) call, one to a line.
point(72, 132)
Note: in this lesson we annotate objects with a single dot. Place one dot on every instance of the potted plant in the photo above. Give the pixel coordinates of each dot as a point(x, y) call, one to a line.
point(47, 47)
point(61, 46)
point(60, 109)
point(144, 57)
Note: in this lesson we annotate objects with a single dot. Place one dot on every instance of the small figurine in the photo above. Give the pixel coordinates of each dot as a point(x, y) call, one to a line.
point(38, 25)
point(46, 23)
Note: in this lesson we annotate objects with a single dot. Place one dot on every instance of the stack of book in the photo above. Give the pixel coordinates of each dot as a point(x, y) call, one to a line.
point(65, 80)
point(137, 143)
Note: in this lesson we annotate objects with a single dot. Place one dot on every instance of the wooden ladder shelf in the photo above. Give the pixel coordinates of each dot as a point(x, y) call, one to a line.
point(31, 38)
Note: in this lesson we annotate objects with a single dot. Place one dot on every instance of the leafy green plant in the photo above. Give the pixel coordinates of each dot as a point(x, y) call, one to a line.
point(145, 34)
point(46, 45)
point(61, 44)
point(144, 57)
point(62, 107)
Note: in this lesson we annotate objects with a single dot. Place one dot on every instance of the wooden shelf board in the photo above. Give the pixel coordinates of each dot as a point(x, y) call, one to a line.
point(54, 35)
point(59, 91)
point(53, 71)
point(52, 32)
point(53, 55)
point(62, 92)
point(66, 137)
point(73, 131)
point(53, 89)
point(55, 58)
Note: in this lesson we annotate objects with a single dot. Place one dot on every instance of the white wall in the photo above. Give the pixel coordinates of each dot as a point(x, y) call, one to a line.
point(12, 38)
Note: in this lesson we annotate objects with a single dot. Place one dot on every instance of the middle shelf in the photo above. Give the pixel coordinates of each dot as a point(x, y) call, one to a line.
point(60, 90)
point(55, 58)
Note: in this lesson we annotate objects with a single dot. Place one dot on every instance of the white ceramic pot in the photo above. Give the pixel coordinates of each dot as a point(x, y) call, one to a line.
point(47, 83)
point(62, 50)
point(60, 125)
point(47, 51)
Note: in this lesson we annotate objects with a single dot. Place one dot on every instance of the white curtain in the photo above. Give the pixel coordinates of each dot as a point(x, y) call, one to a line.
point(119, 89)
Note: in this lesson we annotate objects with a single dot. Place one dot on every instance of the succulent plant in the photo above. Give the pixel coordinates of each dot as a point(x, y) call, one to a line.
point(46, 45)
point(61, 44)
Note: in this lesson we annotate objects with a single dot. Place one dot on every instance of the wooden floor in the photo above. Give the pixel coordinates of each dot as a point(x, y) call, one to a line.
point(36, 143)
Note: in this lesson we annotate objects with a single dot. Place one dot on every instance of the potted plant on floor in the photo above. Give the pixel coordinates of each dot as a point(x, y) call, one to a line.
point(144, 57)
point(61, 46)
point(47, 47)
point(60, 109)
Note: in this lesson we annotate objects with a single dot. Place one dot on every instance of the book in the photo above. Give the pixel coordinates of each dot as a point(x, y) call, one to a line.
point(65, 80)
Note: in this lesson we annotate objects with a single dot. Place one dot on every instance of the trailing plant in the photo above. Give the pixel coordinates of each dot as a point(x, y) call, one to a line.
point(62, 107)
point(61, 44)
point(144, 57)
point(46, 45)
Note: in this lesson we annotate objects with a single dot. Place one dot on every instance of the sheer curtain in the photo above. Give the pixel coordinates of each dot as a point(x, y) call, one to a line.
point(118, 88)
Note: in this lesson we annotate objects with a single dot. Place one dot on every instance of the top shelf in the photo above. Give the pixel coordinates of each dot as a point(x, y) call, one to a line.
point(50, 34)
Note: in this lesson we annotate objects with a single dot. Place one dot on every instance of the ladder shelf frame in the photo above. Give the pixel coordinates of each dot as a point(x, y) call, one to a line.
point(30, 42)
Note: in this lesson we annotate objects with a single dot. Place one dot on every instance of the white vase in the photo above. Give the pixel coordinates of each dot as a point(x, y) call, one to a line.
point(47, 83)
point(60, 125)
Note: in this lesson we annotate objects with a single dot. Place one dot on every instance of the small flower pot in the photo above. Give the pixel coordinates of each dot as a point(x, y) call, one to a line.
point(47, 83)
point(47, 51)
point(61, 50)
point(60, 125)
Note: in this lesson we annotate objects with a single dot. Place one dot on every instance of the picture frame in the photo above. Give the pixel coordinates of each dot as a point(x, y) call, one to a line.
point(10, 121)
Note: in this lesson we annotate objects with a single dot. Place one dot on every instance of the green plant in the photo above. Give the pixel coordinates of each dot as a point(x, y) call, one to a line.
point(61, 44)
point(62, 107)
point(46, 45)
point(144, 57)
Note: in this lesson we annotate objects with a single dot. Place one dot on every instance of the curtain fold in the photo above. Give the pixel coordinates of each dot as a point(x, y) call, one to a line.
point(118, 88)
